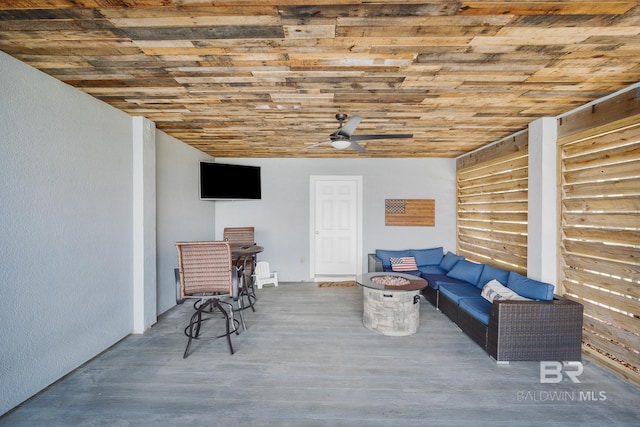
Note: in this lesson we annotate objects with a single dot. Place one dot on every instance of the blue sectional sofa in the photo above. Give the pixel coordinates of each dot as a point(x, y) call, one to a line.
point(512, 317)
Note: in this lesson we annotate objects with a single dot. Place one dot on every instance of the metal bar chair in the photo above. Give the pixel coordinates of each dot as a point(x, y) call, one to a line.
point(205, 273)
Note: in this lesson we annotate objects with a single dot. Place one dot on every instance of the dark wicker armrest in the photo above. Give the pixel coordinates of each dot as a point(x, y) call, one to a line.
point(535, 330)
point(375, 263)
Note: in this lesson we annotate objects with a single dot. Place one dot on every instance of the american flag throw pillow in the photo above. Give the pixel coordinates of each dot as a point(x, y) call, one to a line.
point(407, 263)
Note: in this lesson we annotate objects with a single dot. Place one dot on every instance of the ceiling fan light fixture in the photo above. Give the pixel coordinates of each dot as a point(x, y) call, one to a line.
point(341, 144)
point(344, 138)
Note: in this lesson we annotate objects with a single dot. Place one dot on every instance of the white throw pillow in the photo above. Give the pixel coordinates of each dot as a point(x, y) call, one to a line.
point(496, 290)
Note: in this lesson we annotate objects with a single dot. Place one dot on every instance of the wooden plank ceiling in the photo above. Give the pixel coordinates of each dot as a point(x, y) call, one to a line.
point(265, 78)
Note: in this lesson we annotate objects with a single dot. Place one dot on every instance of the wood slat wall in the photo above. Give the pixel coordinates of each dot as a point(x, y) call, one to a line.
point(600, 239)
point(492, 209)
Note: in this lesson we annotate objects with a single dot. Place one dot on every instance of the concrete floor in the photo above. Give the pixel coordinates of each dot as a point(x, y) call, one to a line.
point(307, 360)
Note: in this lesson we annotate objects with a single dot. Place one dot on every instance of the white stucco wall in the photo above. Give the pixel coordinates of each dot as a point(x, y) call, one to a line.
point(181, 215)
point(281, 218)
point(65, 228)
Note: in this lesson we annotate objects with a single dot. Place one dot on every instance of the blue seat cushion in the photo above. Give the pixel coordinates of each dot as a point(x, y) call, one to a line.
point(385, 256)
point(449, 260)
point(432, 256)
point(435, 280)
point(414, 273)
point(466, 270)
point(490, 273)
point(457, 291)
point(530, 288)
point(478, 308)
point(431, 269)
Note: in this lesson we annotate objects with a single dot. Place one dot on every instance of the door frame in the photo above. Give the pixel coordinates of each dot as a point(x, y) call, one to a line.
point(313, 179)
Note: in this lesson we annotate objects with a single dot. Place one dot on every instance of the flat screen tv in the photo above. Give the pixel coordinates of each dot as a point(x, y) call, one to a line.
point(219, 181)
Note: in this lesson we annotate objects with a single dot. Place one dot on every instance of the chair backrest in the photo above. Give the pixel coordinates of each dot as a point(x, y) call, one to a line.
point(262, 270)
point(204, 267)
point(240, 235)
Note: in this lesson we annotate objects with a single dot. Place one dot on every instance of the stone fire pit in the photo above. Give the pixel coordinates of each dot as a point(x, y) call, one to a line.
point(391, 302)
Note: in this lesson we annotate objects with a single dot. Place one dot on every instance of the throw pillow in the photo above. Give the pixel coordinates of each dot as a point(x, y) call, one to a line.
point(449, 261)
point(496, 290)
point(466, 271)
point(385, 256)
point(407, 263)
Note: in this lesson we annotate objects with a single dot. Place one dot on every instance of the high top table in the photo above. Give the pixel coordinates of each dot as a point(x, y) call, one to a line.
point(246, 261)
point(245, 253)
point(391, 302)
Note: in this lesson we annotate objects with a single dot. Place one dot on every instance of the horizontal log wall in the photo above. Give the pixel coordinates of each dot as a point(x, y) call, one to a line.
point(600, 229)
point(492, 206)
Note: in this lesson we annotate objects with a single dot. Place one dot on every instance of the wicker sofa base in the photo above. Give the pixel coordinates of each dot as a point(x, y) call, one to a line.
point(448, 307)
point(475, 329)
point(524, 330)
point(528, 330)
point(431, 295)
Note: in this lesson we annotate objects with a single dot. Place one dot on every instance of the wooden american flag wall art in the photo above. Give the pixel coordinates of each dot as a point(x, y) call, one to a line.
point(420, 212)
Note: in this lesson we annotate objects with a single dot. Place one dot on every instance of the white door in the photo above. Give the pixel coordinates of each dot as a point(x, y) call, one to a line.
point(336, 224)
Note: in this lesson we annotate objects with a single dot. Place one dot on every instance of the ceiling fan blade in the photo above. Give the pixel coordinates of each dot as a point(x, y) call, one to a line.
point(319, 143)
point(350, 126)
point(391, 135)
point(357, 147)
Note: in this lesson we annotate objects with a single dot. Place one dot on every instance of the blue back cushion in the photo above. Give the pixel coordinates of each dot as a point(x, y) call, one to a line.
point(431, 256)
point(529, 288)
point(449, 261)
point(384, 256)
point(466, 270)
point(490, 273)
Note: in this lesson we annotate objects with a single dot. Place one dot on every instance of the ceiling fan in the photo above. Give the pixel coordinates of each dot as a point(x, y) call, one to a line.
point(344, 138)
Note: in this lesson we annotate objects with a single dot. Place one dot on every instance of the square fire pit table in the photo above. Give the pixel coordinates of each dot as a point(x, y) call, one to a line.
point(391, 302)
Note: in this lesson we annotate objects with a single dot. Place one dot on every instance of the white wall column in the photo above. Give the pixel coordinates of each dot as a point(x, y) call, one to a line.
point(144, 224)
point(543, 212)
